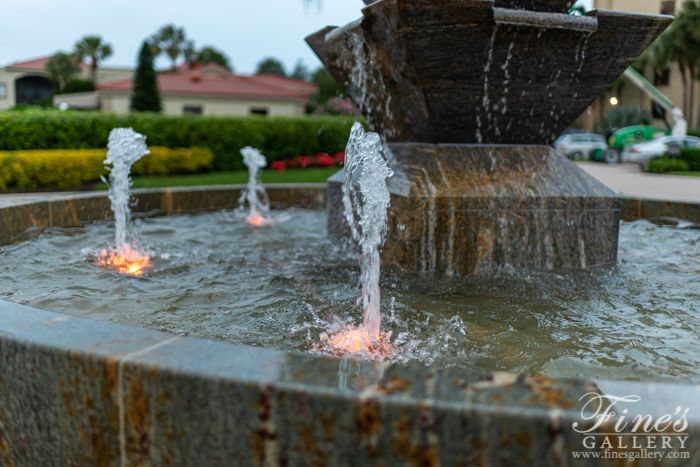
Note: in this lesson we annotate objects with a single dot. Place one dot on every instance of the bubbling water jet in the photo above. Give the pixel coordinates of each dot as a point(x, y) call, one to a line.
point(364, 155)
point(255, 194)
point(125, 147)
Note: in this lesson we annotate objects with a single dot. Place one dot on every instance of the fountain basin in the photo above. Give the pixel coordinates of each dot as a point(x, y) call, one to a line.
point(74, 390)
point(479, 72)
point(460, 75)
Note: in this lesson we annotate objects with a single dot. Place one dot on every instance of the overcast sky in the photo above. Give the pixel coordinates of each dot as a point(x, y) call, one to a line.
point(246, 30)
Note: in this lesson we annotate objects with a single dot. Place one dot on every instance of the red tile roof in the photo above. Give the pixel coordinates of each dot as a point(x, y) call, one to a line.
point(295, 84)
point(196, 83)
point(34, 64)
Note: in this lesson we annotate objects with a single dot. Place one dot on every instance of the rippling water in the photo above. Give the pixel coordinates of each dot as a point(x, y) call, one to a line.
point(281, 286)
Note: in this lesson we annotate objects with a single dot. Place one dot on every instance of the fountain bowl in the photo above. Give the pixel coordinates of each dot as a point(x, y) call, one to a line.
point(75, 391)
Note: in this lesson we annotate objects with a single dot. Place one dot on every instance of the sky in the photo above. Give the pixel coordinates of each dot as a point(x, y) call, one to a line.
point(246, 30)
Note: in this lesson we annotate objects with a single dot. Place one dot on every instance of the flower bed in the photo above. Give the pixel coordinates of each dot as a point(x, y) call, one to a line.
point(301, 162)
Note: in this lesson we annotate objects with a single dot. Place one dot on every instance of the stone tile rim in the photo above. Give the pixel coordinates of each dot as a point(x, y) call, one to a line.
point(311, 388)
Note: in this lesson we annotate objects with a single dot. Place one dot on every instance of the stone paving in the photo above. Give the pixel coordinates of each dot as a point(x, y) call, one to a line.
point(628, 180)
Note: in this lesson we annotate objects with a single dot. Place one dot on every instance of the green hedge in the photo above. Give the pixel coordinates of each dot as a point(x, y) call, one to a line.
point(666, 164)
point(692, 158)
point(71, 168)
point(277, 137)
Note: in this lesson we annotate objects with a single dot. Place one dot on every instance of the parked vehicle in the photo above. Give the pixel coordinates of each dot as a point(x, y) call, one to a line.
point(579, 145)
point(643, 153)
point(627, 136)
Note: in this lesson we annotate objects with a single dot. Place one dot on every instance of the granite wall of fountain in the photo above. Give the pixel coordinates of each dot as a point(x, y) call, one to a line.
point(469, 95)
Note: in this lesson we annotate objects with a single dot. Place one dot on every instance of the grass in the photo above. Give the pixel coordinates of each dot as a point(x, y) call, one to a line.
point(685, 174)
point(236, 177)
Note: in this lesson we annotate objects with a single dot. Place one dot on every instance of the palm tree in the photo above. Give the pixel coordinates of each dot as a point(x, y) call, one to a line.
point(93, 48)
point(680, 43)
point(62, 67)
point(173, 41)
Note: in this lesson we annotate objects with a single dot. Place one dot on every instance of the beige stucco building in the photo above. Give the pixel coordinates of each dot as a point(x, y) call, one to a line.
point(207, 90)
point(669, 81)
point(215, 90)
point(25, 82)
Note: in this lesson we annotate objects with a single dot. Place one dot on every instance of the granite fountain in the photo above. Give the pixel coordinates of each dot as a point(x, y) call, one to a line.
point(469, 95)
point(466, 96)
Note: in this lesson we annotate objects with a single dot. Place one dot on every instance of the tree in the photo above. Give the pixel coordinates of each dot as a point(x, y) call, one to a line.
point(271, 66)
point(327, 87)
point(173, 41)
point(62, 67)
point(209, 54)
point(93, 48)
point(145, 97)
point(680, 43)
point(301, 72)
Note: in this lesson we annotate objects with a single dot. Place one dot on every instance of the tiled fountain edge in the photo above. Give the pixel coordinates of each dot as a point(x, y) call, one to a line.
point(75, 391)
point(16, 219)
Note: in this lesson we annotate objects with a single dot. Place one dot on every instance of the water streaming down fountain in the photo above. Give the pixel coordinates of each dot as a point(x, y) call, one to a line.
point(469, 96)
point(125, 147)
point(365, 169)
point(255, 194)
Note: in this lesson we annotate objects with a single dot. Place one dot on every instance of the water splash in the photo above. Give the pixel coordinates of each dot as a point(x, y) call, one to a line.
point(364, 151)
point(364, 155)
point(255, 194)
point(125, 146)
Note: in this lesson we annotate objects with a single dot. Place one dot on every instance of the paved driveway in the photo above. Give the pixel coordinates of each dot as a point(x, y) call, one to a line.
point(629, 180)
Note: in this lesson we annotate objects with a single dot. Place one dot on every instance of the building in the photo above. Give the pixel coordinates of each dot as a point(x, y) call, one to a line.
point(27, 82)
point(214, 90)
point(668, 81)
point(204, 90)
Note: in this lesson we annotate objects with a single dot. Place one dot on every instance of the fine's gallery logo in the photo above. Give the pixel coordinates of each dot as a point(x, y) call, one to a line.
point(615, 430)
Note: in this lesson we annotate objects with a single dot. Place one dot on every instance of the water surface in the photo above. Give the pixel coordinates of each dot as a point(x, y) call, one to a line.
point(280, 286)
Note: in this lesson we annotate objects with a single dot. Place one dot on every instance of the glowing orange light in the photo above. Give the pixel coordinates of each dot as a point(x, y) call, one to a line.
point(257, 219)
point(357, 343)
point(129, 260)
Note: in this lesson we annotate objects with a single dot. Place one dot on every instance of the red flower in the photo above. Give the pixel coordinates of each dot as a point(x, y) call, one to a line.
point(304, 161)
point(324, 160)
point(340, 158)
point(280, 166)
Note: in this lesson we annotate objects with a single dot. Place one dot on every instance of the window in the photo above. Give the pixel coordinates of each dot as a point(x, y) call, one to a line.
point(668, 8)
point(661, 77)
point(192, 110)
point(3, 90)
point(259, 111)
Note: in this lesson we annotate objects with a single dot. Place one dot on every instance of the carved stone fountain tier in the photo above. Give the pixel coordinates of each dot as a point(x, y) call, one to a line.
point(469, 94)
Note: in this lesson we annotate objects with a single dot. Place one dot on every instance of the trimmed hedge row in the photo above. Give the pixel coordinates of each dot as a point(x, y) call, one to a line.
point(71, 168)
point(278, 138)
point(689, 160)
point(692, 158)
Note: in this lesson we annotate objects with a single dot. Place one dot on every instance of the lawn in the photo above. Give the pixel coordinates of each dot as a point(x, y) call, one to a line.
point(686, 174)
point(236, 177)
